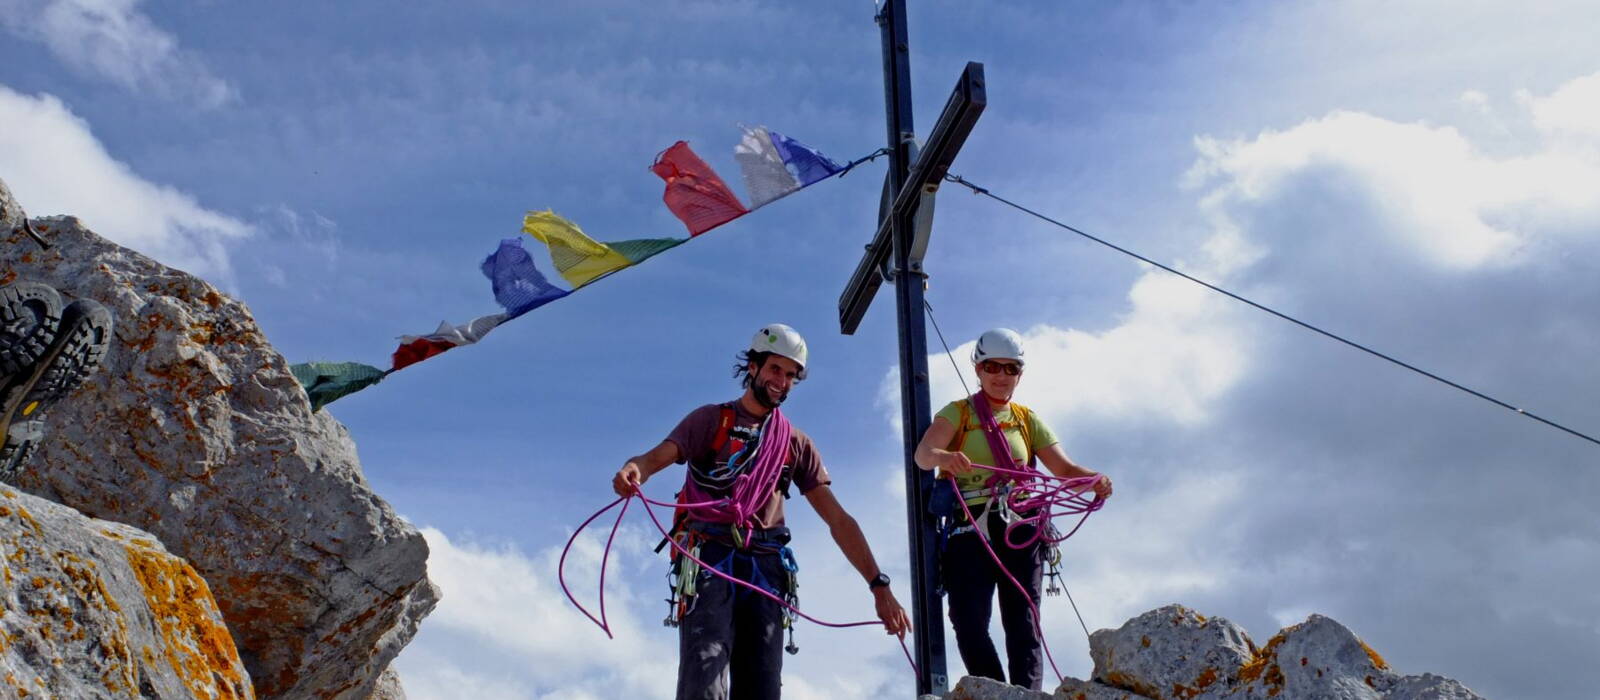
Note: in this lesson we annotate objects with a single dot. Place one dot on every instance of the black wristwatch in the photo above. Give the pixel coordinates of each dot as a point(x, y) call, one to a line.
point(879, 581)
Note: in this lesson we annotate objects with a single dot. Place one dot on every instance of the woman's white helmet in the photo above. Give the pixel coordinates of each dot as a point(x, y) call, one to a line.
point(998, 344)
point(780, 339)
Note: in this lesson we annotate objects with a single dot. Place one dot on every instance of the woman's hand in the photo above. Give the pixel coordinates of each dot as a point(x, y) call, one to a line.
point(955, 463)
point(1102, 487)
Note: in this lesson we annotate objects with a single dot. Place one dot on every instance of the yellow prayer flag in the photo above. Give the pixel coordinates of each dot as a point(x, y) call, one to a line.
point(579, 258)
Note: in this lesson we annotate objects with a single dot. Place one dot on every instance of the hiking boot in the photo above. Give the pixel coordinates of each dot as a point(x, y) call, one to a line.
point(29, 314)
point(80, 344)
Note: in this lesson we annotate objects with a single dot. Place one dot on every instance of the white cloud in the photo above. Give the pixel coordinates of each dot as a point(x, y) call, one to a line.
point(1175, 353)
point(1414, 174)
point(504, 610)
point(1573, 109)
point(1476, 101)
point(113, 40)
point(503, 628)
point(54, 165)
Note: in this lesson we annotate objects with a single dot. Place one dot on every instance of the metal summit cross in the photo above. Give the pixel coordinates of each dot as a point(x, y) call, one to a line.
point(905, 218)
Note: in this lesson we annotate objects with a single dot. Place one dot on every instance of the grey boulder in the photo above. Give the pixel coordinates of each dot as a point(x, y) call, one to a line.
point(195, 431)
point(96, 609)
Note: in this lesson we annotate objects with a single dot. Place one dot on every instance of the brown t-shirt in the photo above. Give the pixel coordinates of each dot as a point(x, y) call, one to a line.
point(698, 430)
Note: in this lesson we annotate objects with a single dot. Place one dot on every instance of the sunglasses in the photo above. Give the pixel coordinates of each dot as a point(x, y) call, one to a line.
point(993, 367)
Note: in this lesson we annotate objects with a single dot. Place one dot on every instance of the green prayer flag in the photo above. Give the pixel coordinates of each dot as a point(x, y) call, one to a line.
point(326, 382)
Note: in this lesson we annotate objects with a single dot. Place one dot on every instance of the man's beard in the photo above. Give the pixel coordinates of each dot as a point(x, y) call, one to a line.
point(765, 398)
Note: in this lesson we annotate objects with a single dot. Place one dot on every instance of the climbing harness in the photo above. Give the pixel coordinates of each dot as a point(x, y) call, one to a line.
point(684, 571)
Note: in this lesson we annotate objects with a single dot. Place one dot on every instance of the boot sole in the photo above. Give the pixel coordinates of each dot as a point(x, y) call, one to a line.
point(29, 315)
point(80, 346)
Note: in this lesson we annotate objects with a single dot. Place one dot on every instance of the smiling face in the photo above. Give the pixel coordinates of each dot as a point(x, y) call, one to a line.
point(999, 378)
point(771, 382)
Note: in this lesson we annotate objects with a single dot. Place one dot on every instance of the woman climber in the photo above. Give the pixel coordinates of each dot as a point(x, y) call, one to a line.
point(988, 429)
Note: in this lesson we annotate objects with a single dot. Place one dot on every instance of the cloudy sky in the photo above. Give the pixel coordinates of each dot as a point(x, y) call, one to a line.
point(1423, 177)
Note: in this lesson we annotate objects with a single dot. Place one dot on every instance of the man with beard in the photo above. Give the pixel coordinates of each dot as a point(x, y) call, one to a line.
point(731, 638)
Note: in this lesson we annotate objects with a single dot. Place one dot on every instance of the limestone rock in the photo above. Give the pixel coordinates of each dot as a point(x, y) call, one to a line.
point(1170, 652)
point(195, 431)
point(975, 688)
point(1319, 659)
point(96, 609)
point(10, 212)
point(1430, 687)
point(1176, 653)
point(1074, 689)
point(388, 687)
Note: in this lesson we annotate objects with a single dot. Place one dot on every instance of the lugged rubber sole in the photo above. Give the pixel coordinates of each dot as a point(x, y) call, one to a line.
point(80, 345)
point(29, 315)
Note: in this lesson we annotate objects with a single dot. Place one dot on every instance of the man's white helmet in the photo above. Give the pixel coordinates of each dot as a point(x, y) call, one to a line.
point(998, 344)
point(780, 339)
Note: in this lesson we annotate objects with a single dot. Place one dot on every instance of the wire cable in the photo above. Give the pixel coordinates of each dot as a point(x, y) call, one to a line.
point(985, 192)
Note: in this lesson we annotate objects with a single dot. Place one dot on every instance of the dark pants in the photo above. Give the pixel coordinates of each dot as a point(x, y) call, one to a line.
point(732, 639)
point(970, 577)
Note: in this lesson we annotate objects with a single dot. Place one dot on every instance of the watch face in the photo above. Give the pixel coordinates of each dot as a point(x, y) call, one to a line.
point(879, 581)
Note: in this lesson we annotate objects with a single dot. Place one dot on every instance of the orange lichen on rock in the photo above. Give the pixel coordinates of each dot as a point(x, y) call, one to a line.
point(1376, 659)
point(1264, 666)
point(198, 646)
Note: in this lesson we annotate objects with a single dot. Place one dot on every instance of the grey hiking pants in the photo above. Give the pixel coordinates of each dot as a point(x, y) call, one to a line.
point(730, 644)
point(971, 580)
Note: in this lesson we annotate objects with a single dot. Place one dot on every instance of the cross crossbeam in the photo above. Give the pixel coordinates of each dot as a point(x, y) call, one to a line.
point(960, 115)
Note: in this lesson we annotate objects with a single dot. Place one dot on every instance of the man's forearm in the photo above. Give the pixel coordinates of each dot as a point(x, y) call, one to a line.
point(847, 534)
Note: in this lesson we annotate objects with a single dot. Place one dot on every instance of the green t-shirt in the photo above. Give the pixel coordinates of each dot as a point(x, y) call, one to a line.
point(976, 447)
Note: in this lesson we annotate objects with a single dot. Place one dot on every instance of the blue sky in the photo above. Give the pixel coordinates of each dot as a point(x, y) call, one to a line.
point(1419, 176)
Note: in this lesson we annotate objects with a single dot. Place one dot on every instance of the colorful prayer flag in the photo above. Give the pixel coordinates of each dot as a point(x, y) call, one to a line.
point(517, 284)
point(416, 348)
point(774, 165)
point(766, 177)
point(806, 163)
point(694, 192)
point(325, 382)
point(581, 259)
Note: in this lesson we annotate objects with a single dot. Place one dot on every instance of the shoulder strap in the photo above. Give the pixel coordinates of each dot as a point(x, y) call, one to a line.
point(723, 426)
point(960, 439)
point(1024, 420)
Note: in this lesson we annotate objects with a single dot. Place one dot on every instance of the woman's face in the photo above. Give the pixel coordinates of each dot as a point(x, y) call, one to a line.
point(999, 378)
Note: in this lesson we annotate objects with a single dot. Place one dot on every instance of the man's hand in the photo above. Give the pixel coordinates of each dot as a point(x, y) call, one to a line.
point(954, 462)
point(895, 620)
point(628, 480)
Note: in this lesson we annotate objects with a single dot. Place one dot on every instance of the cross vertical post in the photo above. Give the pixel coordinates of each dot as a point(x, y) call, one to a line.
point(896, 253)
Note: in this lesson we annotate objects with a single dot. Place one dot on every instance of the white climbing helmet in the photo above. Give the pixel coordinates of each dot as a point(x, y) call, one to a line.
point(998, 344)
point(780, 339)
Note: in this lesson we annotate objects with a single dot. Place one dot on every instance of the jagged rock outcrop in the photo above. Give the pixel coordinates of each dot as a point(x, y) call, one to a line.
point(1170, 652)
point(975, 688)
point(96, 609)
point(1174, 653)
point(389, 687)
point(195, 431)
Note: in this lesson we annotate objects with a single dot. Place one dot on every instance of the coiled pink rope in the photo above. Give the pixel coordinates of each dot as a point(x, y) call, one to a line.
point(1037, 509)
point(648, 503)
point(750, 492)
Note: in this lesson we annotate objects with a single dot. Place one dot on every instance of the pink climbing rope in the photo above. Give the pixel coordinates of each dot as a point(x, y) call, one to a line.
point(1041, 519)
point(750, 492)
point(1035, 503)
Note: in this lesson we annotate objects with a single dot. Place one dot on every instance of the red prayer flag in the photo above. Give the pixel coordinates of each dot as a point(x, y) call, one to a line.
point(694, 192)
point(418, 350)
